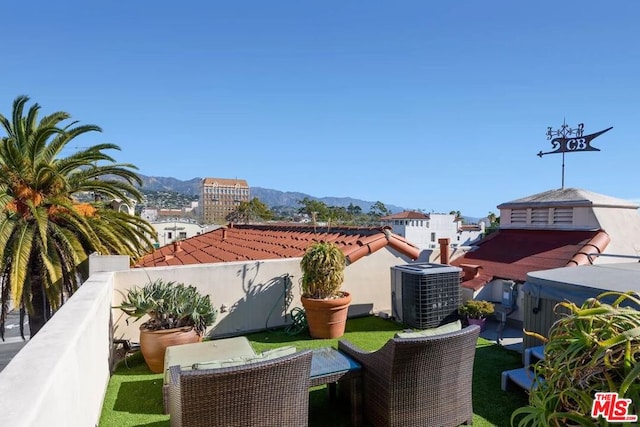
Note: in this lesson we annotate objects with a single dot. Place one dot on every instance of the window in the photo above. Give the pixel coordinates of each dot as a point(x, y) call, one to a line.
point(433, 237)
point(182, 235)
point(169, 235)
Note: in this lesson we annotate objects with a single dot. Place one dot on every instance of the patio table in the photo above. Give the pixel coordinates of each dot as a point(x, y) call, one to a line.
point(330, 366)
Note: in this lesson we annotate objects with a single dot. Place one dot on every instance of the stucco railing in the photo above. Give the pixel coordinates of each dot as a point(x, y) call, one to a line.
point(60, 376)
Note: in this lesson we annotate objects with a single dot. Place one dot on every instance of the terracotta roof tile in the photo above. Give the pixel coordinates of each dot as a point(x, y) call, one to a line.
point(259, 242)
point(511, 254)
point(405, 215)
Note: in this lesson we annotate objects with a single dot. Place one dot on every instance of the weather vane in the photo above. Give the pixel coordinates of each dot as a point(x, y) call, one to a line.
point(570, 140)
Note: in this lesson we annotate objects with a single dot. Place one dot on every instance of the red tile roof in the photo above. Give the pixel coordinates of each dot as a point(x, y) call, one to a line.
point(261, 242)
point(511, 254)
point(470, 227)
point(405, 215)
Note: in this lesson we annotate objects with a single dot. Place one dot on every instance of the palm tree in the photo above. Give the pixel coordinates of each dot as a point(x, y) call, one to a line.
point(45, 231)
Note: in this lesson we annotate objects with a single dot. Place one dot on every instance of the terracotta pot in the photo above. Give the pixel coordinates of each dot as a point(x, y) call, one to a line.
point(154, 343)
point(480, 322)
point(326, 318)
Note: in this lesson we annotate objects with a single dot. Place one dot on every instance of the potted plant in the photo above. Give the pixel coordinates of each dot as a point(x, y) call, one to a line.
point(177, 314)
point(476, 312)
point(324, 303)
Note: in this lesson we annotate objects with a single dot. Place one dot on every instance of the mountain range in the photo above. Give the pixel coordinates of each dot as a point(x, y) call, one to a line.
point(269, 197)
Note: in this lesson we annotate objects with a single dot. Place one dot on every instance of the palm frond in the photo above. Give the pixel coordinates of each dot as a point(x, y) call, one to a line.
point(21, 253)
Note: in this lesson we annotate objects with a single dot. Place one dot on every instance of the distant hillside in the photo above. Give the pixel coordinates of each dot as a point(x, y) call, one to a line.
point(267, 196)
point(160, 183)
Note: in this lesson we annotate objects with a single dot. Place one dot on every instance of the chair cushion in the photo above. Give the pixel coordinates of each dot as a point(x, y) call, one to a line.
point(446, 328)
point(244, 360)
point(186, 355)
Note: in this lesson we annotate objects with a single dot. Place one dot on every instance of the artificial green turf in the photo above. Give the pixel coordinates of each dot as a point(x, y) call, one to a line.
point(134, 394)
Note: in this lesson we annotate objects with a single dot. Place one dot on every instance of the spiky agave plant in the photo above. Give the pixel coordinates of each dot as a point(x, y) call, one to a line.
point(169, 305)
point(594, 348)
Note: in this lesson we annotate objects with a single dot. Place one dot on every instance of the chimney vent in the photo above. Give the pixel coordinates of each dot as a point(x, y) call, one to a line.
point(444, 250)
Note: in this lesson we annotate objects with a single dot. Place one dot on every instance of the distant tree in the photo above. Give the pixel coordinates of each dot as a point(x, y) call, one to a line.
point(493, 219)
point(252, 210)
point(379, 210)
point(314, 208)
point(354, 210)
point(338, 214)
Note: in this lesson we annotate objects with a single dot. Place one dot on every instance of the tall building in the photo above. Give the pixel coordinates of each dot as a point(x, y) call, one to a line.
point(219, 196)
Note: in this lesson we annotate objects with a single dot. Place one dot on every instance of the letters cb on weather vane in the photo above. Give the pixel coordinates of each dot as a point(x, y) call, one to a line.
point(570, 140)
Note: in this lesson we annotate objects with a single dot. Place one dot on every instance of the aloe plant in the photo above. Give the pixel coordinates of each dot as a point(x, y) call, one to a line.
point(169, 305)
point(322, 267)
point(594, 348)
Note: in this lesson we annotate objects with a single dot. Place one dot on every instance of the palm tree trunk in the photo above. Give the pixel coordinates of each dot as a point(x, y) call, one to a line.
point(40, 307)
point(40, 313)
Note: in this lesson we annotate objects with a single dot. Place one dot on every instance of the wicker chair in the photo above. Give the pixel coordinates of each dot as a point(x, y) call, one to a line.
point(270, 393)
point(422, 381)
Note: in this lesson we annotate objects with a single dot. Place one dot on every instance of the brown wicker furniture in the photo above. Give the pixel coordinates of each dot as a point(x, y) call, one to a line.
point(270, 393)
point(329, 366)
point(422, 381)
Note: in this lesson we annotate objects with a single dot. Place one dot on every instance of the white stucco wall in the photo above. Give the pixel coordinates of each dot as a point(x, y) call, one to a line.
point(60, 376)
point(168, 231)
point(623, 227)
point(251, 290)
point(583, 219)
point(419, 231)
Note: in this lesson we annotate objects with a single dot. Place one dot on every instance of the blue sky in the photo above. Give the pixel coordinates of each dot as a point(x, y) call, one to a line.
point(428, 105)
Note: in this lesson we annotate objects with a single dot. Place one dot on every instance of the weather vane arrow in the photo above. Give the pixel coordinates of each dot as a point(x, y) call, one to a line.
point(573, 144)
point(568, 140)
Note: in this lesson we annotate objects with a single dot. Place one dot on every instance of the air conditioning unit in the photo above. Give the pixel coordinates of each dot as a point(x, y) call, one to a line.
point(425, 295)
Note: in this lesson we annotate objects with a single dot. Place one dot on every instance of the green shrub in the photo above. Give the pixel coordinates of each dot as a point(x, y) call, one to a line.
point(476, 309)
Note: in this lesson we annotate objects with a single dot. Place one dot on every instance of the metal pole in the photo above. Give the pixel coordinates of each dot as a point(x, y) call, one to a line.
point(562, 170)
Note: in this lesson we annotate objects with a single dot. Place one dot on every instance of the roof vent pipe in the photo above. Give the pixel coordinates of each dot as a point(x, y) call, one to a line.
point(444, 250)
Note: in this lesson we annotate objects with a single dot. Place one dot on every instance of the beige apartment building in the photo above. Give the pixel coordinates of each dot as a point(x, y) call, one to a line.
point(219, 196)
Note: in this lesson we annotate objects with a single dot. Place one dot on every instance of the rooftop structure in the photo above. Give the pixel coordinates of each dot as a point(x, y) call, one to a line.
point(425, 230)
point(552, 229)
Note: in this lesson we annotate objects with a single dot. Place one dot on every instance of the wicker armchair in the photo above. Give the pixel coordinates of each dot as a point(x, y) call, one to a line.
point(270, 393)
point(422, 381)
